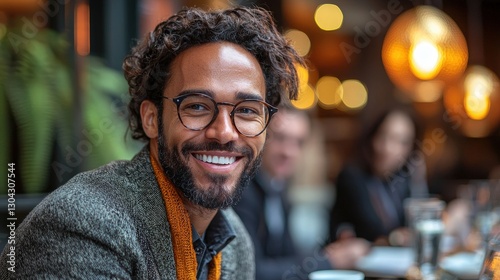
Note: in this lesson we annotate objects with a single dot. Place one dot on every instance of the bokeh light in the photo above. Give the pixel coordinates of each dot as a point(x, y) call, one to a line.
point(478, 86)
point(473, 103)
point(303, 75)
point(354, 95)
point(329, 92)
point(306, 98)
point(299, 40)
point(425, 60)
point(424, 49)
point(328, 17)
point(82, 29)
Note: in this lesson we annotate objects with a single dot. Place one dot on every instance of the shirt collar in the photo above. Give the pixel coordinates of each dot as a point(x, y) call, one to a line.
point(218, 234)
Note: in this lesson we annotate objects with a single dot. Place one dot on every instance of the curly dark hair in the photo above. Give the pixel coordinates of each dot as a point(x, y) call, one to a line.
point(147, 68)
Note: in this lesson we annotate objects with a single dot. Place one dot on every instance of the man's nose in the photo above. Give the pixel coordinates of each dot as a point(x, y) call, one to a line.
point(222, 129)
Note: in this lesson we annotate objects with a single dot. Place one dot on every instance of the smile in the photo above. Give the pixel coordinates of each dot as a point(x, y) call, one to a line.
point(215, 159)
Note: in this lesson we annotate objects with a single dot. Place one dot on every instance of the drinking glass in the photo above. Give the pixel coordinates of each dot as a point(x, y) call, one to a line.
point(484, 198)
point(425, 221)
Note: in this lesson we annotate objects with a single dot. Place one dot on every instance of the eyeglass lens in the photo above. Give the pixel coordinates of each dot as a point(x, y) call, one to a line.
point(250, 117)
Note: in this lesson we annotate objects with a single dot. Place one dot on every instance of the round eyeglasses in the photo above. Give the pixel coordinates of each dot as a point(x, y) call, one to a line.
point(196, 111)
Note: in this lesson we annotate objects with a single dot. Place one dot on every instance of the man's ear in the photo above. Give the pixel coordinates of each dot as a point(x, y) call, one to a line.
point(149, 118)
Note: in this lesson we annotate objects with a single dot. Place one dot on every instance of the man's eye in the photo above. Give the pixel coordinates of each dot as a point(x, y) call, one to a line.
point(196, 107)
point(247, 111)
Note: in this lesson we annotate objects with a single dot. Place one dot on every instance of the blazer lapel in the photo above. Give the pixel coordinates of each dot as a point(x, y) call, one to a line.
point(151, 214)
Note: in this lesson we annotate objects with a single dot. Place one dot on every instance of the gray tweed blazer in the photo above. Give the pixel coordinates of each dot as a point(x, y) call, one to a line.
point(110, 223)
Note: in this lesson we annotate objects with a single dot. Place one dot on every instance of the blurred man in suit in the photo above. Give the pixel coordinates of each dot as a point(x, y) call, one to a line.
point(265, 210)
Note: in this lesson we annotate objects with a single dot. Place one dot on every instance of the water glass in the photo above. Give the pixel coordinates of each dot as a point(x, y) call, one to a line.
point(424, 216)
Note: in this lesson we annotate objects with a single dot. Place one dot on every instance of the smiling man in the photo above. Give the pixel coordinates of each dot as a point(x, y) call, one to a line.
point(203, 86)
point(213, 158)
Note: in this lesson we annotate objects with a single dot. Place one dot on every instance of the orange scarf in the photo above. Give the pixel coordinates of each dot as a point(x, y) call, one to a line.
point(180, 227)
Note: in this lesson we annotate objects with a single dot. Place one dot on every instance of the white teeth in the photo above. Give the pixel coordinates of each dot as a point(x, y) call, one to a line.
point(216, 159)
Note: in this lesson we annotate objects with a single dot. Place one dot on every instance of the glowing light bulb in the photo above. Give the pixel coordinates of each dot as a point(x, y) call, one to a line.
point(477, 96)
point(425, 60)
point(477, 106)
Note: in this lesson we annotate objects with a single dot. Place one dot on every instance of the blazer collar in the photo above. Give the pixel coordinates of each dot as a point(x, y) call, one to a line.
point(151, 213)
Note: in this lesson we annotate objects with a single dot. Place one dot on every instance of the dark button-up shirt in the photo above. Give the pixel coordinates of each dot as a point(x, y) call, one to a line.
point(218, 234)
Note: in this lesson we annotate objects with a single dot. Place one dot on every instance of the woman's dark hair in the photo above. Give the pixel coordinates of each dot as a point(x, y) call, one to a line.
point(147, 68)
point(371, 132)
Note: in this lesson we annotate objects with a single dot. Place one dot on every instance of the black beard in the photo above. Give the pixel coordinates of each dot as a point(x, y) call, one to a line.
point(215, 196)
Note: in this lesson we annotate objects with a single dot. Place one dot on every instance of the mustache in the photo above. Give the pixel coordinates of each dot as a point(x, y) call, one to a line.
point(215, 146)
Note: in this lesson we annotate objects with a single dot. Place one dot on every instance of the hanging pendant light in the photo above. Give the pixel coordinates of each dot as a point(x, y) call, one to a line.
point(423, 52)
point(473, 103)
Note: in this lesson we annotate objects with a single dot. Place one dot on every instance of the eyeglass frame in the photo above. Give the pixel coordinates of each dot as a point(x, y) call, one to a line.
point(178, 100)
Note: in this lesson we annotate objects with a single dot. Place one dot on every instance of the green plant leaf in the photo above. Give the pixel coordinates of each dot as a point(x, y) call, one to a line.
point(36, 85)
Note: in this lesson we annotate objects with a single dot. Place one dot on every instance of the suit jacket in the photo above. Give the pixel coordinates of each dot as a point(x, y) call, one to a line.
point(276, 257)
point(359, 203)
point(110, 223)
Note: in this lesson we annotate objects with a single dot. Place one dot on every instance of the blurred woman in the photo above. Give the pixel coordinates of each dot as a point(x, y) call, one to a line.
point(370, 193)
